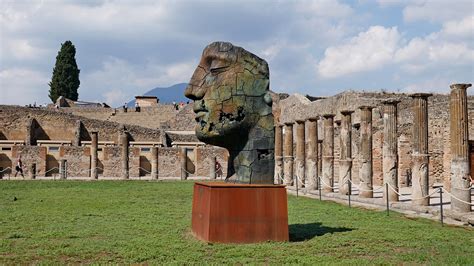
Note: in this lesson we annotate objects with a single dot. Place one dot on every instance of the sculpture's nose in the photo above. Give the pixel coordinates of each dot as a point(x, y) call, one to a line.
point(195, 90)
point(191, 92)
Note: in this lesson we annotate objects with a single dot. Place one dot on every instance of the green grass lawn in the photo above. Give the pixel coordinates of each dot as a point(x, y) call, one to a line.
point(139, 221)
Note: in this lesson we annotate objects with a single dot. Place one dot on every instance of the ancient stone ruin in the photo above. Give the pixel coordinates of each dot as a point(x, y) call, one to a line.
point(351, 143)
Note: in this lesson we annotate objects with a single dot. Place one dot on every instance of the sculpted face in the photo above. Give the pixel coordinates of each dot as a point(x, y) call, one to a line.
point(230, 92)
point(232, 102)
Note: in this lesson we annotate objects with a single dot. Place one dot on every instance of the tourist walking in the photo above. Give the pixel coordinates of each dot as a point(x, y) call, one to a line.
point(19, 167)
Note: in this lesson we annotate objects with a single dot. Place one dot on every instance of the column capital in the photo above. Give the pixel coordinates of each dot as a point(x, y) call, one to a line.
point(391, 102)
point(328, 115)
point(460, 86)
point(346, 112)
point(299, 121)
point(288, 123)
point(420, 95)
point(313, 119)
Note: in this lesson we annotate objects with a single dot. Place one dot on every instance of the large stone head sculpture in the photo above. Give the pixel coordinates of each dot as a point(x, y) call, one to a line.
point(233, 106)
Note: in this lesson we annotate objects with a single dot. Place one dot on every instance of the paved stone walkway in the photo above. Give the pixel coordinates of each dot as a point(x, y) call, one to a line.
point(404, 206)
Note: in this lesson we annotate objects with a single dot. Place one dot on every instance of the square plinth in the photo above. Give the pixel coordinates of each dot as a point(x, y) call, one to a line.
point(239, 213)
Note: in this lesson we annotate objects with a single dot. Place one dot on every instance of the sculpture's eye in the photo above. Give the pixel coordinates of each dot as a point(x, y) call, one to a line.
point(218, 66)
point(217, 70)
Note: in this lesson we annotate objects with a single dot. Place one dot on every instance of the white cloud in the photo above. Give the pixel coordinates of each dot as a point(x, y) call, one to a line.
point(23, 86)
point(439, 49)
point(21, 49)
point(436, 84)
point(119, 80)
point(367, 51)
point(116, 97)
point(324, 8)
point(461, 28)
point(436, 10)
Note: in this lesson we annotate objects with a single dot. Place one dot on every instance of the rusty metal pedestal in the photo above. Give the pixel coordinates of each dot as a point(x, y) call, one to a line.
point(239, 213)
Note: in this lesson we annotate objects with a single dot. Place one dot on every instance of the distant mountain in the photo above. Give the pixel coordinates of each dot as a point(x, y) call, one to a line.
point(170, 94)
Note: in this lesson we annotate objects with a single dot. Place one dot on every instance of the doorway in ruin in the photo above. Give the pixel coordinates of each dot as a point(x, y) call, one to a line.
point(190, 159)
point(52, 163)
point(145, 161)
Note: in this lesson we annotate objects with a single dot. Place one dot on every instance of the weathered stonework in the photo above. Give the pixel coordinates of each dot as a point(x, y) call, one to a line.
point(183, 167)
point(154, 162)
point(328, 153)
point(365, 162)
point(233, 106)
point(312, 154)
point(390, 149)
point(124, 144)
point(288, 155)
point(420, 157)
point(300, 153)
point(460, 166)
point(278, 154)
point(94, 155)
point(345, 145)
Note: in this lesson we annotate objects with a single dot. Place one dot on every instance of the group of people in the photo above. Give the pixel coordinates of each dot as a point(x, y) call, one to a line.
point(179, 106)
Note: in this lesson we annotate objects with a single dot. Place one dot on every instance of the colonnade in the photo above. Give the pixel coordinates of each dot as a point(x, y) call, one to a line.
point(308, 156)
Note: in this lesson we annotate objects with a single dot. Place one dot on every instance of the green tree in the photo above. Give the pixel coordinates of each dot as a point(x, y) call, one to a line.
point(65, 81)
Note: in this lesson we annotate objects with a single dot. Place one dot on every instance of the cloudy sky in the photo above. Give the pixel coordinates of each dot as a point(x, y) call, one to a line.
point(124, 48)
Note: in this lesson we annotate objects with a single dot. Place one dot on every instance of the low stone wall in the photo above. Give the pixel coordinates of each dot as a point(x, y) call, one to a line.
point(78, 160)
point(30, 155)
point(109, 161)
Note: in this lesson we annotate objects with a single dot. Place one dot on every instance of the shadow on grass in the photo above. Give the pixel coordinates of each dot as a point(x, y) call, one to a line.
point(302, 232)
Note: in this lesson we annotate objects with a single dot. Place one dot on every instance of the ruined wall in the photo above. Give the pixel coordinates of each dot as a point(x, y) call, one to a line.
point(184, 119)
point(57, 125)
point(78, 160)
point(203, 160)
point(149, 117)
point(30, 155)
point(111, 162)
point(169, 162)
point(299, 107)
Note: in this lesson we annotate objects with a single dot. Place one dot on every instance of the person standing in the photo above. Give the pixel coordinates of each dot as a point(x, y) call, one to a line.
point(19, 167)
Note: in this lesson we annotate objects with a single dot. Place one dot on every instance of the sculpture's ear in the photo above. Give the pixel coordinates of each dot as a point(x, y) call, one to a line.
point(268, 98)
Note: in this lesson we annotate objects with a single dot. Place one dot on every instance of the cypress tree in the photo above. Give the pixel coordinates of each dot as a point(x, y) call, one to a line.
point(65, 81)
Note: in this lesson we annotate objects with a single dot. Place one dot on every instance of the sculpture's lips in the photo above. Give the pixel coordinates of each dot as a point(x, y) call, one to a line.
point(200, 114)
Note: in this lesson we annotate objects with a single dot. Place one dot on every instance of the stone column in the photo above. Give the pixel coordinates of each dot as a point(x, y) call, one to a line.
point(77, 134)
point(32, 171)
point(420, 158)
point(366, 164)
point(62, 169)
point(288, 155)
point(328, 153)
point(184, 157)
point(345, 145)
point(124, 155)
point(278, 154)
point(154, 163)
point(312, 155)
point(390, 148)
point(212, 169)
point(31, 126)
point(300, 152)
point(320, 157)
point(94, 157)
point(459, 130)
